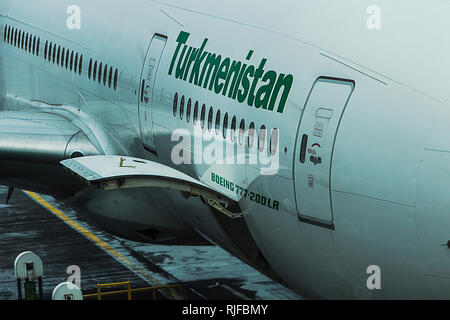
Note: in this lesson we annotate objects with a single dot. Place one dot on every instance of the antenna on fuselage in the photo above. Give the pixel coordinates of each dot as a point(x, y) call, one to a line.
point(10, 192)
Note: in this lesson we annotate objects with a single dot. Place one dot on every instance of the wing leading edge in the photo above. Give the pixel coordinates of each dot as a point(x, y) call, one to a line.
point(36, 137)
point(117, 172)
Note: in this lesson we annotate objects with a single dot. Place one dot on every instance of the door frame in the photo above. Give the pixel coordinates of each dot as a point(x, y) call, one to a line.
point(141, 91)
point(318, 222)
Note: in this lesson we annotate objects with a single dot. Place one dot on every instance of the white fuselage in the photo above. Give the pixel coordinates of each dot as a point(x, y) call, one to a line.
point(372, 103)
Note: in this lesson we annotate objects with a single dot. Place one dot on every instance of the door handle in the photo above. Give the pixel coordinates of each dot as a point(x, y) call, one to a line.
point(303, 148)
point(142, 91)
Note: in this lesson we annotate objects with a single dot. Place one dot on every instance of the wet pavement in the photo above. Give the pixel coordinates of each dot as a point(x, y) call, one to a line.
point(205, 272)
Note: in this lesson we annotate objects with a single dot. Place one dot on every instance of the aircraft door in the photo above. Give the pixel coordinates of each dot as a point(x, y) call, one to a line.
point(146, 102)
point(314, 149)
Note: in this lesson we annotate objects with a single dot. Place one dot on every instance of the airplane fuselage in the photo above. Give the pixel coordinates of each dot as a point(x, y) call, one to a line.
point(350, 163)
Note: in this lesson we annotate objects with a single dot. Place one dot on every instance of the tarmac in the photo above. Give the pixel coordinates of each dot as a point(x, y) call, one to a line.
point(64, 238)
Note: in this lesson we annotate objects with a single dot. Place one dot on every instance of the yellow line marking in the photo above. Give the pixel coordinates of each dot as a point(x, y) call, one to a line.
point(96, 240)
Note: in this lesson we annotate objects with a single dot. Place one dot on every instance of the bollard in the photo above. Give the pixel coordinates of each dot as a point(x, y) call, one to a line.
point(27, 268)
point(67, 291)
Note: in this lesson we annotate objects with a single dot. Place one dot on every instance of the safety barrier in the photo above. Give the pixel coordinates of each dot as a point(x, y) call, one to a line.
point(129, 291)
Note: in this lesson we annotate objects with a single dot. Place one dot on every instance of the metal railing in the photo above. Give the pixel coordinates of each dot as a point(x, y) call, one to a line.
point(129, 291)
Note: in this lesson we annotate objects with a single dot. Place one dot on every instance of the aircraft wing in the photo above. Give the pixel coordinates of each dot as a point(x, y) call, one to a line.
point(37, 137)
point(33, 138)
point(117, 172)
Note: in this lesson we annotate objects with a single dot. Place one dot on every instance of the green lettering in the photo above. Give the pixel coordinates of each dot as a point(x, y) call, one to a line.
point(282, 82)
point(211, 65)
point(183, 59)
point(192, 58)
point(258, 74)
point(234, 70)
point(182, 39)
point(221, 75)
point(276, 205)
point(198, 61)
point(237, 80)
point(242, 94)
point(263, 94)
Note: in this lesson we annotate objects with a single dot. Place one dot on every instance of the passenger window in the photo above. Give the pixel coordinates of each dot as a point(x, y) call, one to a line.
point(63, 56)
point(75, 64)
point(203, 116)
point(9, 35)
point(105, 74)
point(262, 138)
point(182, 108)
point(50, 48)
point(90, 69)
point(37, 46)
point(67, 58)
point(116, 76)
point(218, 122)
point(175, 104)
point(110, 77)
point(210, 118)
point(26, 43)
point(94, 75)
point(251, 135)
point(241, 132)
point(15, 38)
point(80, 65)
point(274, 142)
point(100, 69)
point(54, 53)
point(34, 45)
point(233, 128)
point(225, 125)
point(45, 50)
point(195, 120)
point(58, 55)
point(5, 32)
point(188, 112)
